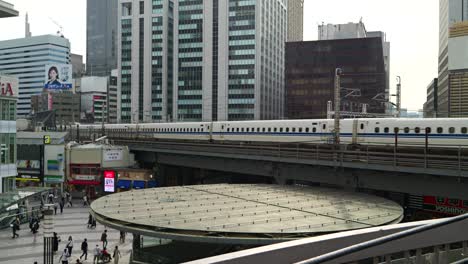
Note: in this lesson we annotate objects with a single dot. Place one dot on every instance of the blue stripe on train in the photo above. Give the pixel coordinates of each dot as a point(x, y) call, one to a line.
point(380, 135)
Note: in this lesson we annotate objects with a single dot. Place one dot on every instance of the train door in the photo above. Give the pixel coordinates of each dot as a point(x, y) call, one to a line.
point(325, 132)
point(355, 136)
point(222, 130)
point(362, 131)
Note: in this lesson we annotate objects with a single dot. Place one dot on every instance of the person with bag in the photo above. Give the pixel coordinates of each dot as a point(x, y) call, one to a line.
point(70, 245)
point(65, 256)
point(55, 242)
point(104, 238)
point(116, 255)
point(84, 248)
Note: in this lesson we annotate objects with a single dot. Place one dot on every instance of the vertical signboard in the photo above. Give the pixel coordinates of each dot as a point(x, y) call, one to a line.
point(109, 181)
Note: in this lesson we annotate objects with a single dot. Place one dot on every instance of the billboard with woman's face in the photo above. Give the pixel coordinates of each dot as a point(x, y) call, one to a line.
point(58, 76)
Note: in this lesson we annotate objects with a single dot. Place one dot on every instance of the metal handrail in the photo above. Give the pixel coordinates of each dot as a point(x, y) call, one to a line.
point(381, 240)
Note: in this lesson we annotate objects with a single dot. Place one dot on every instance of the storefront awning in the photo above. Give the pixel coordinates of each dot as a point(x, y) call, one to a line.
point(124, 184)
point(152, 184)
point(139, 184)
point(78, 182)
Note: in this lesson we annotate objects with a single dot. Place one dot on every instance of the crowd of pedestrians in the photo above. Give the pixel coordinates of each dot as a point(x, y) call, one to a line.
point(99, 255)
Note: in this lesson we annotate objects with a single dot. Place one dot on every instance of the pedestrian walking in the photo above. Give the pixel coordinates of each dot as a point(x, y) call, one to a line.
point(35, 229)
point(104, 238)
point(65, 256)
point(18, 223)
point(116, 255)
point(90, 220)
point(93, 225)
point(31, 223)
point(51, 198)
point(69, 199)
point(62, 204)
point(70, 245)
point(84, 248)
point(55, 242)
point(96, 253)
point(55, 208)
point(85, 200)
point(122, 237)
point(14, 227)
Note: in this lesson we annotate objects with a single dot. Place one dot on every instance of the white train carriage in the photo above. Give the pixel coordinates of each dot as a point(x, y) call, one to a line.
point(440, 131)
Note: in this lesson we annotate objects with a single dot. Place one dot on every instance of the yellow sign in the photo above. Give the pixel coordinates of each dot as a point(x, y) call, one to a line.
point(47, 140)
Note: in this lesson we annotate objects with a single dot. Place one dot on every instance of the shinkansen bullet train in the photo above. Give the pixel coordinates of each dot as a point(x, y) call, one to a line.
point(387, 131)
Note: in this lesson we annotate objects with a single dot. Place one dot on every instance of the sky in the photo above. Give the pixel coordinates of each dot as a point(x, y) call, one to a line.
point(411, 27)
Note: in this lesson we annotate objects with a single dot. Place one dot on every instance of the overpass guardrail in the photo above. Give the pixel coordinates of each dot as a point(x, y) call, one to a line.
point(435, 160)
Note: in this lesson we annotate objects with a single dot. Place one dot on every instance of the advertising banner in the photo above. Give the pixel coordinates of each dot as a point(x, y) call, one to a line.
point(113, 155)
point(9, 86)
point(58, 76)
point(109, 181)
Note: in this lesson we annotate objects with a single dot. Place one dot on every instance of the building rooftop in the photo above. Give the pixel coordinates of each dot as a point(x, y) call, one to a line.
point(241, 213)
point(7, 10)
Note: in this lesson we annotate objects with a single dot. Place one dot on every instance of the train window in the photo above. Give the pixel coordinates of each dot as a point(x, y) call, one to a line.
point(293, 129)
point(281, 129)
point(258, 129)
point(248, 129)
point(242, 129)
point(451, 130)
point(307, 130)
point(300, 130)
point(362, 126)
point(428, 130)
point(464, 130)
point(287, 129)
point(263, 129)
point(396, 129)
point(314, 129)
point(440, 130)
point(275, 129)
point(324, 126)
point(222, 127)
point(417, 130)
point(377, 130)
point(406, 129)
point(386, 130)
point(269, 129)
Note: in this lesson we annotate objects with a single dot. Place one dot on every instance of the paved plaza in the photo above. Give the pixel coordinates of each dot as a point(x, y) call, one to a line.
point(73, 222)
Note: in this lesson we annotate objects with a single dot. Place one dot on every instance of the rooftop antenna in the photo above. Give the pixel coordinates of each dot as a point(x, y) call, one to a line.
point(59, 32)
point(27, 29)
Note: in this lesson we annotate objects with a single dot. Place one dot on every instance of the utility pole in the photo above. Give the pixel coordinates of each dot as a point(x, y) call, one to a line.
point(398, 96)
point(338, 72)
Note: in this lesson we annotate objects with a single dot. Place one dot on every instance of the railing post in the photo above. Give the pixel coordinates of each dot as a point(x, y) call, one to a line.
point(367, 154)
point(446, 253)
point(407, 257)
point(459, 160)
point(425, 158)
point(375, 260)
point(465, 248)
point(388, 259)
point(419, 258)
point(436, 255)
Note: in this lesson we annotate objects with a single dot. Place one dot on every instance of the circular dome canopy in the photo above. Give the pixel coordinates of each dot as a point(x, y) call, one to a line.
point(247, 212)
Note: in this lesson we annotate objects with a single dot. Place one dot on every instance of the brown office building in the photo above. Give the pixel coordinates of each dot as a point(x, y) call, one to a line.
point(310, 71)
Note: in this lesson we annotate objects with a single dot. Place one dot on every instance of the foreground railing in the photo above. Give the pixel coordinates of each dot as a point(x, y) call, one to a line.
point(434, 241)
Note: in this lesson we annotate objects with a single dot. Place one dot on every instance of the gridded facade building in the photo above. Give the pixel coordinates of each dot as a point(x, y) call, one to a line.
point(453, 57)
point(210, 60)
point(8, 96)
point(295, 20)
point(431, 105)
point(310, 75)
point(101, 37)
point(26, 58)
